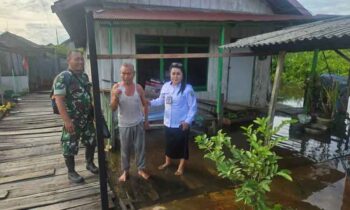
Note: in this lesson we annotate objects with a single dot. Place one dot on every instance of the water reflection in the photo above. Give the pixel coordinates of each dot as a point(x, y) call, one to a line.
point(331, 144)
point(325, 183)
point(293, 102)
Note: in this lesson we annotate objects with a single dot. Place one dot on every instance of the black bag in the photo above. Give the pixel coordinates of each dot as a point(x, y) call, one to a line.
point(54, 105)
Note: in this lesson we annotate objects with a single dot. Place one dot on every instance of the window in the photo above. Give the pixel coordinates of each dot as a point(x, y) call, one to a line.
point(196, 69)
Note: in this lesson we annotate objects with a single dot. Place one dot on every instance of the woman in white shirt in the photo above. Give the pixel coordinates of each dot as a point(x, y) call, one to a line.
point(180, 105)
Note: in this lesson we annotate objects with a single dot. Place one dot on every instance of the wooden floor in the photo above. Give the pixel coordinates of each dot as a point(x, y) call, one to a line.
point(32, 170)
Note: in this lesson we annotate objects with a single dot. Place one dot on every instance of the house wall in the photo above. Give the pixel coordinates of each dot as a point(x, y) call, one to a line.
point(261, 86)
point(17, 83)
point(42, 71)
point(12, 75)
point(249, 77)
point(123, 42)
point(249, 6)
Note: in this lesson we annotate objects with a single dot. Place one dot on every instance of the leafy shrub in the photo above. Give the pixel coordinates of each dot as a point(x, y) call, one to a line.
point(298, 66)
point(255, 168)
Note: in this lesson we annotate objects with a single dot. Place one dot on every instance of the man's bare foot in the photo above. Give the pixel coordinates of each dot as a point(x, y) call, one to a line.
point(143, 174)
point(124, 177)
point(179, 172)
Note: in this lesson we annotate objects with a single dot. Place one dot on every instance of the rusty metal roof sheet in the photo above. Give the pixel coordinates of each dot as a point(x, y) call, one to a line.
point(188, 15)
point(333, 33)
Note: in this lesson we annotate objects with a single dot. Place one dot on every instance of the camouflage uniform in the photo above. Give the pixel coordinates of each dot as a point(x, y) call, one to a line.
point(78, 105)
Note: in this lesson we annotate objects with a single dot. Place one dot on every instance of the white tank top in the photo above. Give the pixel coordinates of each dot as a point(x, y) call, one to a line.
point(130, 109)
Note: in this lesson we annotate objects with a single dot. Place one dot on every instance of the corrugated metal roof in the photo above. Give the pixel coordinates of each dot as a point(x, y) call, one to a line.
point(333, 33)
point(72, 14)
point(15, 43)
point(188, 15)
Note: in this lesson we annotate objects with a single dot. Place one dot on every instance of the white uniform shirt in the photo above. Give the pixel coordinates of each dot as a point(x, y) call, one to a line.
point(179, 107)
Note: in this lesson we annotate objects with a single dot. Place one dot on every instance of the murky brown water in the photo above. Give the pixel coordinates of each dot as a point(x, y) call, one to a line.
point(319, 169)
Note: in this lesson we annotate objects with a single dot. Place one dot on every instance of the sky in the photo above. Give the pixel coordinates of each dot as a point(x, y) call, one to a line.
point(33, 19)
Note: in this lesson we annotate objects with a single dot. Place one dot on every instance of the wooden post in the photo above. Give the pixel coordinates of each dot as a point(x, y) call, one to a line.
point(219, 104)
point(97, 109)
point(276, 85)
point(110, 51)
point(310, 86)
point(1, 90)
point(348, 91)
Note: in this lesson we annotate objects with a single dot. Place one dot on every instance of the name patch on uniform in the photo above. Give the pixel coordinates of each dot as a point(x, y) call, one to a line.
point(168, 100)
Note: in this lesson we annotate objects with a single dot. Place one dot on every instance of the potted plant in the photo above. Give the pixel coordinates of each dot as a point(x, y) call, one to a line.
point(329, 96)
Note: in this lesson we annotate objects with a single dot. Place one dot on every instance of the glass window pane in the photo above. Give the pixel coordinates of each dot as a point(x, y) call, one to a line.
point(174, 40)
point(167, 62)
point(147, 39)
point(147, 69)
point(198, 49)
point(197, 68)
point(197, 71)
point(198, 40)
point(141, 49)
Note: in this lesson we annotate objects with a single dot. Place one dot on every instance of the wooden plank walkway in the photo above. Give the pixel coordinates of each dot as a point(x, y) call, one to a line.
point(33, 174)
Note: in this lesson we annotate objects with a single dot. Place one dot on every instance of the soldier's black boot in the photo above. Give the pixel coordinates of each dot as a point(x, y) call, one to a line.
point(72, 174)
point(89, 157)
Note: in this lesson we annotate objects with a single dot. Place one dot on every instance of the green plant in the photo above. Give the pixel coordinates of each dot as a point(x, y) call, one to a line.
point(297, 66)
point(231, 115)
point(255, 168)
point(61, 50)
point(329, 97)
point(8, 106)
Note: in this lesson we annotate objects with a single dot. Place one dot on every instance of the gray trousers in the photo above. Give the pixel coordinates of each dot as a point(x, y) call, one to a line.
point(132, 137)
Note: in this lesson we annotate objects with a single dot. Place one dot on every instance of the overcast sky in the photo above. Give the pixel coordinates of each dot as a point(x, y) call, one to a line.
point(31, 19)
point(337, 7)
point(34, 20)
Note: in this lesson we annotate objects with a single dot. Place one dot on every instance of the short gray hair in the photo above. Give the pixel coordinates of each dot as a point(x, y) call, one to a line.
point(129, 66)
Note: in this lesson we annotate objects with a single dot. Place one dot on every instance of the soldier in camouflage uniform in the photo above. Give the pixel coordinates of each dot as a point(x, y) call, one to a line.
point(74, 102)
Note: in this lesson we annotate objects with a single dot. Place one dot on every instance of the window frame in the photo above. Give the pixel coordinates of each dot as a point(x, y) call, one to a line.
point(159, 42)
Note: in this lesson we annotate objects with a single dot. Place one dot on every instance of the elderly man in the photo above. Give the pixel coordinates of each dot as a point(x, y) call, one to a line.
point(129, 97)
point(71, 90)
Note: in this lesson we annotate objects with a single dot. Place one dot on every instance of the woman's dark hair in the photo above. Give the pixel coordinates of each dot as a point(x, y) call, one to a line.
point(183, 81)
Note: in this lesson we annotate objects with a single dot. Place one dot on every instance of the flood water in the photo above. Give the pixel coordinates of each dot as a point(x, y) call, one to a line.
point(320, 166)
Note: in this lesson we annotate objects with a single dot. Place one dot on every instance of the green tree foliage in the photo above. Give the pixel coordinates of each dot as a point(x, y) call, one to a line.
point(255, 168)
point(298, 66)
point(61, 50)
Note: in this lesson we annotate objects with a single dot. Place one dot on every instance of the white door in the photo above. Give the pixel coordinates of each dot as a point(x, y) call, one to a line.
point(240, 80)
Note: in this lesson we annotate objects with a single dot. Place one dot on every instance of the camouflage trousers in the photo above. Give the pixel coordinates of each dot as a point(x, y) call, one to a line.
point(70, 142)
